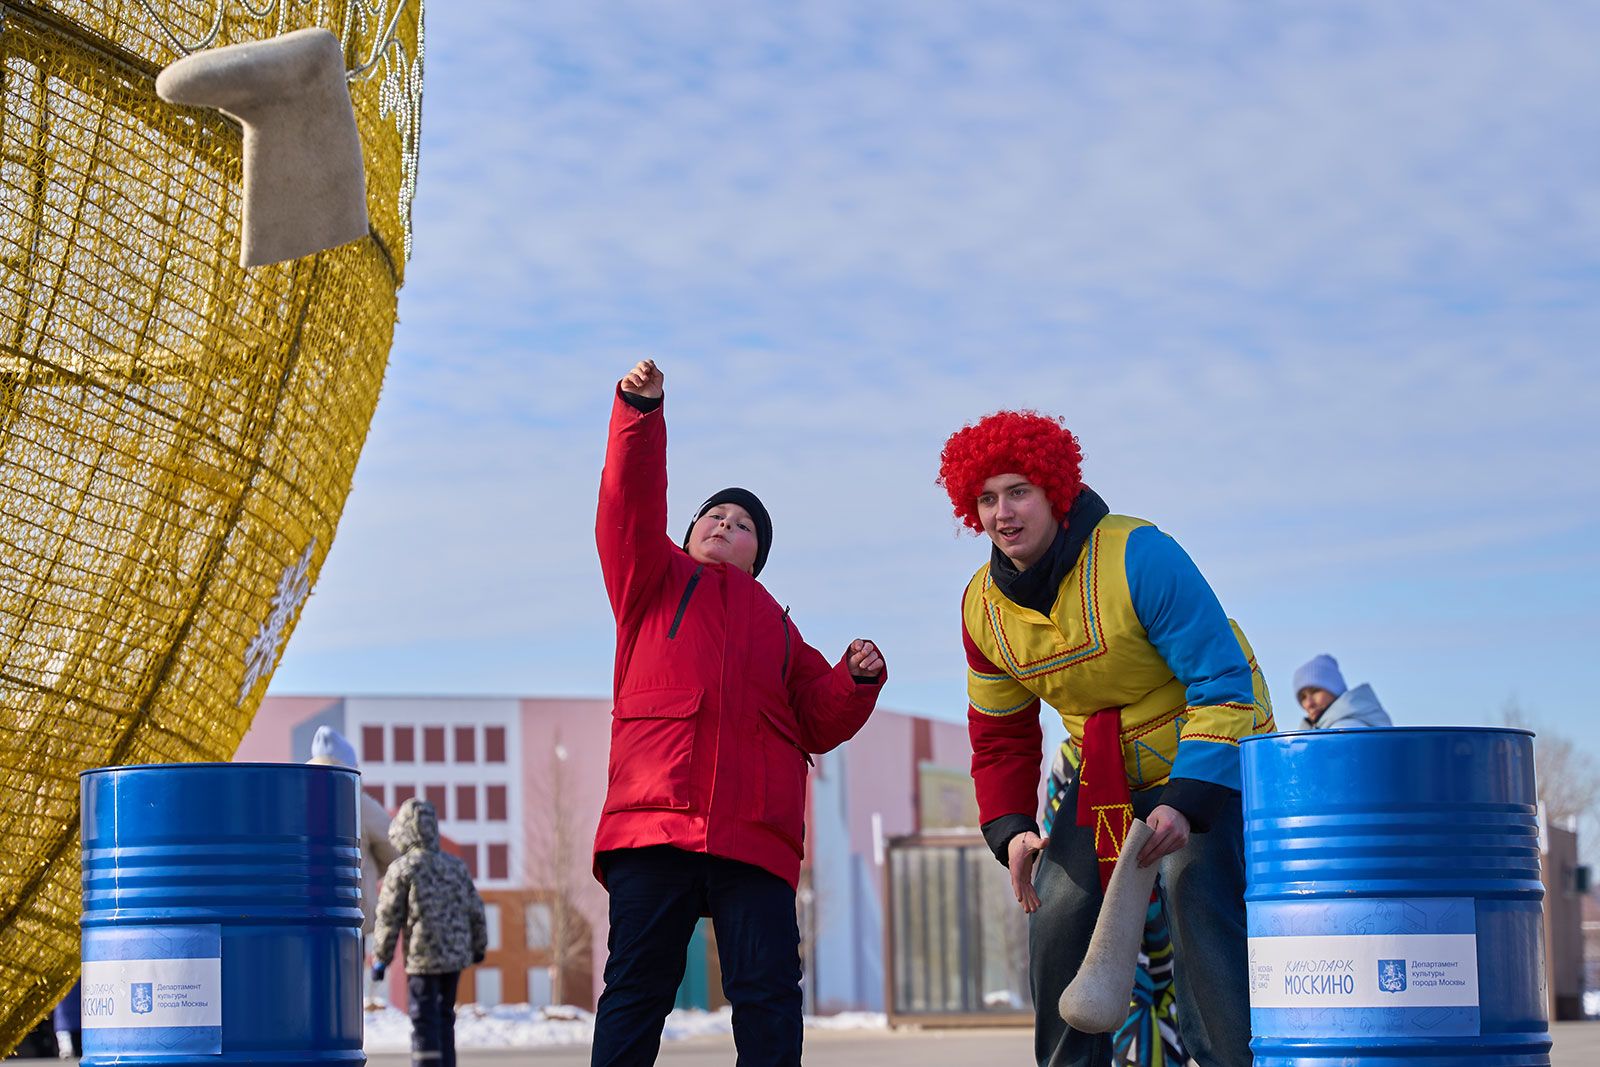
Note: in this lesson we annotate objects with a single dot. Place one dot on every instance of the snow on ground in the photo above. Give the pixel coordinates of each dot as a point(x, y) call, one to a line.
point(849, 1020)
point(521, 1026)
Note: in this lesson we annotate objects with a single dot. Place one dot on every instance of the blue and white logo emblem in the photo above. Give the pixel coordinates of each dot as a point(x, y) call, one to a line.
point(1392, 976)
point(144, 1001)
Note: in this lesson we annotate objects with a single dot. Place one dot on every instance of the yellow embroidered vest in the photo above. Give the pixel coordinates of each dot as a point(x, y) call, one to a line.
point(1091, 652)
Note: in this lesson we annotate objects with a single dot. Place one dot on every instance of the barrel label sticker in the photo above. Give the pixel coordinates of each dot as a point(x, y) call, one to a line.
point(152, 989)
point(1364, 968)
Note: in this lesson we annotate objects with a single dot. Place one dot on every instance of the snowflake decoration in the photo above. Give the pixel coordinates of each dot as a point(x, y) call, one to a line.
point(262, 652)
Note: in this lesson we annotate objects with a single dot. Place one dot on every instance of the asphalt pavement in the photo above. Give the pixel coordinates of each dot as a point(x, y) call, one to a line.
point(1576, 1045)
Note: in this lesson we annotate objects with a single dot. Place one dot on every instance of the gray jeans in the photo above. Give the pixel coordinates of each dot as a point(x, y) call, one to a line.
point(1202, 889)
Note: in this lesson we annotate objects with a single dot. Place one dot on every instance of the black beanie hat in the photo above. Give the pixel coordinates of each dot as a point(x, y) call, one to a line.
point(758, 512)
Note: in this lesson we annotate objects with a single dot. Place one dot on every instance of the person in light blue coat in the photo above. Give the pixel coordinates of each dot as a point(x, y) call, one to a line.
point(1329, 704)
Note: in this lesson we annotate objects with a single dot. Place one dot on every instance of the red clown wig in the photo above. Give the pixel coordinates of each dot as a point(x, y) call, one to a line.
point(1038, 447)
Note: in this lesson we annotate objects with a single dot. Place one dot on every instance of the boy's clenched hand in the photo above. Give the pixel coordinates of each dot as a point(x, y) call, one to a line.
point(643, 380)
point(864, 658)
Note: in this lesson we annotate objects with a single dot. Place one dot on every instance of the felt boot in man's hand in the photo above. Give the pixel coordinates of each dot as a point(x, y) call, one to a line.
point(1097, 1000)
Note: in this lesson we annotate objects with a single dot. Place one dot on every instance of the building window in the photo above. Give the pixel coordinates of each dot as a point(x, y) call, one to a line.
point(466, 744)
point(469, 856)
point(438, 796)
point(494, 744)
point(491, 921)
point(536, 921)
point(405, 744)
point(372, 744)
point(467, 803)
point(403, 793)
point(499, 862)
point(494, 802)
point(375, 792)
point(433, 744)
point(539, 989)
point(486, 986)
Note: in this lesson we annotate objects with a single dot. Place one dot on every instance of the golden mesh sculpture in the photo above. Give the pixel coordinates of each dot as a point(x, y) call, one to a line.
point(177, 433)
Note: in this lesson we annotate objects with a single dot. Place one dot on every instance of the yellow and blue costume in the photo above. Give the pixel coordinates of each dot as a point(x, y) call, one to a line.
point(1134, 626)
point(1139, 659)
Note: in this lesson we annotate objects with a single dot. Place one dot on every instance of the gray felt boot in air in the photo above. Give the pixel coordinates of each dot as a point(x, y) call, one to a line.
point(304, 186)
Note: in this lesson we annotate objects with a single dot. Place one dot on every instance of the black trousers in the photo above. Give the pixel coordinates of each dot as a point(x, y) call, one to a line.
point(433, 1018)
point(657, 896)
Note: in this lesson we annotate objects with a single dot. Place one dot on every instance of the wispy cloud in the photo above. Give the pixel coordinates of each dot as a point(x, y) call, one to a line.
point(1314, 284)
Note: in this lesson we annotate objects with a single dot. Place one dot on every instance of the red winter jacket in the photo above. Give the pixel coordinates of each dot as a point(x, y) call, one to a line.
point(718, 703)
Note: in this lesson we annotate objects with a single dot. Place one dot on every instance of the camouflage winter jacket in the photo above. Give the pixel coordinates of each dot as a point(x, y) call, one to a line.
point(430, 895)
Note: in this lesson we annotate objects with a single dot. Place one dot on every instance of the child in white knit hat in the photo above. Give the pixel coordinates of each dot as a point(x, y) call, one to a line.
point(331, 748)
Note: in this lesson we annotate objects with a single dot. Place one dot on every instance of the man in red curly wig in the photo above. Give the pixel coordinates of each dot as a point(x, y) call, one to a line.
point(1106, 619)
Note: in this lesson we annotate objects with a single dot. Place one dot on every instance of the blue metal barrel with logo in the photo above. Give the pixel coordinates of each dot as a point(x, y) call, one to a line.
point(1394, 902)
point(221, 915)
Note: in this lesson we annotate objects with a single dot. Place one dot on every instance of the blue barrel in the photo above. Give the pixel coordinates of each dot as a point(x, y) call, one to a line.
point(1394, 902)
point(221, 915)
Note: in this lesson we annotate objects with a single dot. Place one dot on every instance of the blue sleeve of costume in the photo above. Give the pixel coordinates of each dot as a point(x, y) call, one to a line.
point(1187, 626)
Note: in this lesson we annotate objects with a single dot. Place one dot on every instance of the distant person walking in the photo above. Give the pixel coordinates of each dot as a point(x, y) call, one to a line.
point(1329, 704)
point(429, 894)
point(719, 705)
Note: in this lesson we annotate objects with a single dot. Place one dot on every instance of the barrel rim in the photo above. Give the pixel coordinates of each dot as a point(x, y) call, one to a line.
point(216, 765)
point(1360, 730)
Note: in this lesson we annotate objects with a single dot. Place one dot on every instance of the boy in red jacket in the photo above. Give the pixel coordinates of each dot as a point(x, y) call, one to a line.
point(718, 707)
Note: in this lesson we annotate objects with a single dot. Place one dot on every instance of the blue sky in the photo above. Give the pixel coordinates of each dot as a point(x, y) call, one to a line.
point(1313, 283)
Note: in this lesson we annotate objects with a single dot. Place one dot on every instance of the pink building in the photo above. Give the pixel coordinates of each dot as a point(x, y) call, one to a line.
point(519, 783)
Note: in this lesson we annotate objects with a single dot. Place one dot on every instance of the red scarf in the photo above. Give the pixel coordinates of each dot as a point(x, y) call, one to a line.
point(1103, 799)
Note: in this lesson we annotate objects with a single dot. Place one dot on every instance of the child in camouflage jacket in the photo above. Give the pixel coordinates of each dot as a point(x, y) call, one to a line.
point(430, 895)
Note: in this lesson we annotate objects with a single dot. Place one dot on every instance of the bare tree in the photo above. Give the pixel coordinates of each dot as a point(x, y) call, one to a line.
point(1567, 774)
point(555, 864)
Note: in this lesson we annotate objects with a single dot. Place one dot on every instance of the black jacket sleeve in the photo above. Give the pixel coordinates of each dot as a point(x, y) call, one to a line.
point(1200, 801)
point(997, 834)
